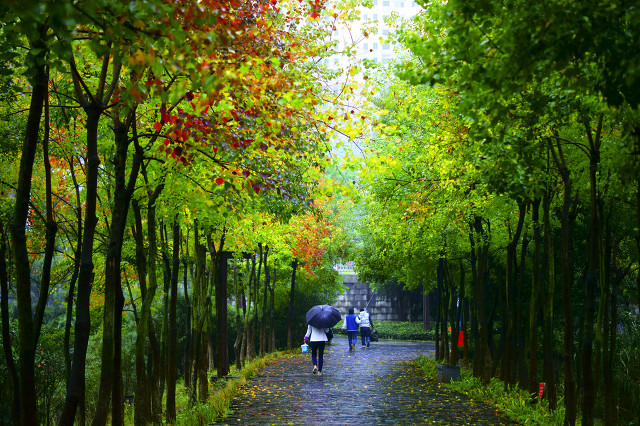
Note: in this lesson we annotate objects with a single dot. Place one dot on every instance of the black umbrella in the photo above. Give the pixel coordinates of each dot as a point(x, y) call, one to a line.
point(323, 316)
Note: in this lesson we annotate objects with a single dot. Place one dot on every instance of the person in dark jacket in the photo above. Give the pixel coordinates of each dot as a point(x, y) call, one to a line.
point(351, 326)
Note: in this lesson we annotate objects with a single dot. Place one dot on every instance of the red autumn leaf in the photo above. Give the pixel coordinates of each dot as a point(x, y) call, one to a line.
point(220, 181)
point(157, 126)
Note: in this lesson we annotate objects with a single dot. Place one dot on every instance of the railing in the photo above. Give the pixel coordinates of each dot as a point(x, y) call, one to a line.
point(345, 269)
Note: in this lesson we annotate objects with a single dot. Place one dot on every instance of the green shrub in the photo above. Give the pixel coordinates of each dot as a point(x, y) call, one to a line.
point(514, 403)
point(396, 330)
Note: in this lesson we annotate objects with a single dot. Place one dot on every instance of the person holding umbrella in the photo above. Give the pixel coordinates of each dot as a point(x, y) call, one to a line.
point(319, 319)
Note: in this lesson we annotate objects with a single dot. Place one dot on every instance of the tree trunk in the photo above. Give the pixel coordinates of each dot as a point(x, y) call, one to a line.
point(272, 333)
point(591, 279)
point(238, 299)
point(486, 363)
point(248, 337)
point(520, 330)
point(454, 355)
point(548, 374)
point(263, 337)
point(142, 413)
point(74, 275)
point(475, 333)
point(511, 311)
point(6, 330)
point(294, 267)
point(172, 362)
point(187, 333)
point(534, 304)
point(26, 327)
point(110, 377)
point(566, 234)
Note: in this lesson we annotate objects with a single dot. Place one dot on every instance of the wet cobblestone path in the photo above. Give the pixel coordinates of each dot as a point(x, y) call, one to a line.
point(369, 386)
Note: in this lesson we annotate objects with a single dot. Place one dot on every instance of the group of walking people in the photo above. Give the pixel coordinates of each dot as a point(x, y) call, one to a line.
point(351, 323)
point(317, 337)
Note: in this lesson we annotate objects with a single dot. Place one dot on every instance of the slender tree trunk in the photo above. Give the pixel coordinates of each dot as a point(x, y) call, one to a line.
point(256, 293)
point(548, 374)
point(520, 330)
point(172, 362)
point(75, 386)
point(248, 338)
point(6, 331)
point(566, 234)
point(591, 279)
point(74, 276)
point(454, 355)
point(534, 304)
point(294, 267)
point(238, 341)
point(272, 289)
point(142, 413)
point(439, 300)
point(475, 333)
point(201, 305)
point(93, 109)
point(263, 332)
point(464, 306)
point(511, 310)
point(187, 333)
point(483, 322)
point(26, 327)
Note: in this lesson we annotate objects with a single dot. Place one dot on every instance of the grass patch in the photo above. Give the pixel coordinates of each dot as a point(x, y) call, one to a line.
point(514, 403)
point(221, 393)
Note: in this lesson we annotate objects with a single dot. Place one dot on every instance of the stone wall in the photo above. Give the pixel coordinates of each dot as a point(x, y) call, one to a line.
point(358, 294)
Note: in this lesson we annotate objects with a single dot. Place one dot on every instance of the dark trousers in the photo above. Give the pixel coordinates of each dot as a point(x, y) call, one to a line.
point(317, 348)
point(365, 333)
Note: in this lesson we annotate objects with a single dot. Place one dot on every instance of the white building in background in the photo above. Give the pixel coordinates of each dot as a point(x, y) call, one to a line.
point(377, 18)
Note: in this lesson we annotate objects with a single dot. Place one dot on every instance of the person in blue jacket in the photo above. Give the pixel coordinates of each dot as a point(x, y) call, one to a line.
point(350, 324)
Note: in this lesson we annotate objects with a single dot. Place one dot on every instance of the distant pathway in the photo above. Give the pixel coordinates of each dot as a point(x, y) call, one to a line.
point(369, 386)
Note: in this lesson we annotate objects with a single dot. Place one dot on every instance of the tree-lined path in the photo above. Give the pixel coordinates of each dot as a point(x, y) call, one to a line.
point(372, 386)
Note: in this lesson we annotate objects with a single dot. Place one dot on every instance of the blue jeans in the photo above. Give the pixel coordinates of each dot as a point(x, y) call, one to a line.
point(365, 333)
point(352, 336)
point(317, 347)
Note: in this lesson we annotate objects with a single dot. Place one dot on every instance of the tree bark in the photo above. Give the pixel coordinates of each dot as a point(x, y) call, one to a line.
point(591, 279)
point(74, 275)
point(238, 299)
point(172, 362)
point(263, 336)
point(566, 234)
point(534, 303)
point(548, 374)
point(294, 267)
point(18, 226)
point(6, 330)
point(94, 107)
point(509, 355)
point(111, 375)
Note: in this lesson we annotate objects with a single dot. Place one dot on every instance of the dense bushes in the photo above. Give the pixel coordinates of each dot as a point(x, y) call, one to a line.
point(397, 330)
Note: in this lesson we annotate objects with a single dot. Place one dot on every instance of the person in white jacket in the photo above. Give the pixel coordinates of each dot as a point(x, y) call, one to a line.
point(317, 338)
point(365, 327)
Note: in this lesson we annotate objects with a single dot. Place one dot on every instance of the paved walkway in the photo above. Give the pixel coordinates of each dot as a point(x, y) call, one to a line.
point(369, 386)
